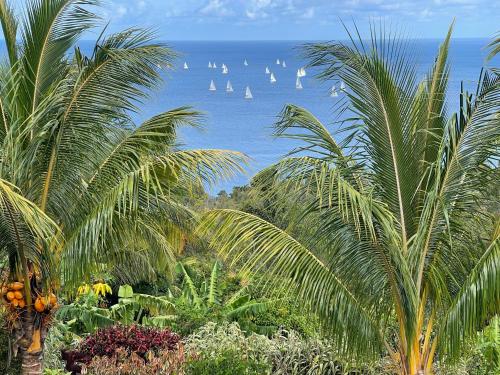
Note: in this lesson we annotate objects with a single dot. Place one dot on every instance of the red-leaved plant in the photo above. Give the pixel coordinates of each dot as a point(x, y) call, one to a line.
point(132, 339)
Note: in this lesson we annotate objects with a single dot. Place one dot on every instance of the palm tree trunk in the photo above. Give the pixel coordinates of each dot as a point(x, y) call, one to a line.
point(30, 346)
point(31, 363)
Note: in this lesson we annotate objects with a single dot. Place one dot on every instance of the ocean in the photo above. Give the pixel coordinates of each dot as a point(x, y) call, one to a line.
point(234, 123)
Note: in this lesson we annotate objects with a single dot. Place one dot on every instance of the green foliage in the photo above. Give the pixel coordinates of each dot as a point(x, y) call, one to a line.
point(84, 315)
point(227, 363)
point(88, 312)
point(217, 299)
point(48, 371)
point(5, 343)
point(83, 188)
point(283, 353)
point(59, 336)
point(394, 226)
point(488, 345)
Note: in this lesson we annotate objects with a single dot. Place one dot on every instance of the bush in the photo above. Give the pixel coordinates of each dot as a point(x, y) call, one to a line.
point(133, 339)
point(166, 362)
point(59, 336)
point(226, 363)
point(283, 353)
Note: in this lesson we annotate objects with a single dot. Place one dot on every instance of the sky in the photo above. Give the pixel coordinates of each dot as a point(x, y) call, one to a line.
point(299, 19)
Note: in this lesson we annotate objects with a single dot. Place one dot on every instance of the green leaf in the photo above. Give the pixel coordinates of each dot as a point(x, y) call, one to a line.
point(125, 291)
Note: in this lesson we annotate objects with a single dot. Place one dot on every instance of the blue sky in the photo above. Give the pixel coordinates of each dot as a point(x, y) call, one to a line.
point(299, 19)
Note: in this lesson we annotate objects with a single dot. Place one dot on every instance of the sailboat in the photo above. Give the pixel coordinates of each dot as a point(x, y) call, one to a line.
point(229, 87)
point(212, 86)
point(267, 70)
point(272, 79)
point(298, 84)
point(298, 73)
point(283, 64)
point(278, 62)
point(248, 93)
point(186, 65)
point(224, 69)
point(245, 62)
point(214, 66)
point(333, 92)
point(302, 72)
point(342, 86)
point(209, 64)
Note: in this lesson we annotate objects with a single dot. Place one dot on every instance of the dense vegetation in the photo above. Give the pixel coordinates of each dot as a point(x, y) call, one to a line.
point(394, 233)
point(376, 254)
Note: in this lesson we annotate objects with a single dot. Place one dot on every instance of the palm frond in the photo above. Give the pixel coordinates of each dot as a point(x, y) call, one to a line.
point(262, 245)
point(459, 173)
point(430, 114)
point(494, 47)
point(294, 118)
point(477, 300)
point(9, 27)
point(249, 309)
point(376, 79)
point(50, 29)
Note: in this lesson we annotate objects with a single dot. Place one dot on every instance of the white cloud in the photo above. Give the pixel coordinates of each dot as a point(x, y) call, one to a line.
point(216, 8)
point(121, 11)
point(426, 13)
point(309, 13)
point(259, 8)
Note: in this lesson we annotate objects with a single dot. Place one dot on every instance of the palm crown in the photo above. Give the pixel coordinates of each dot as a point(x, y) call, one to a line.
point(400, 217)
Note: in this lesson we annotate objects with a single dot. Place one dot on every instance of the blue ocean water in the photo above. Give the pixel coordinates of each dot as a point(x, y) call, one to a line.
point(234, 123)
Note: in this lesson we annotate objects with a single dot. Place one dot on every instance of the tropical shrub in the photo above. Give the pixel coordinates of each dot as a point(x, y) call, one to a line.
point(214, 298)
point(228, 362)
point(59, 337)
point(165, 362)
point(133, 339)
point(284, 353)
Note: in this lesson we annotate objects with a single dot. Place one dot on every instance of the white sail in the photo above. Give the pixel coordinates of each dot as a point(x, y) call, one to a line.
point(278, 62)
point(245, 62)
point(298, 84)
point(224, 70)
point(186, 65)
point(283, 64)
point(272, 79)
point(229, 87)
point(209, 64)
point(333, 92)
point(214, 66)
point(342, 86)
point(267, 70)
point(298, 73)
point(248, 93)
point(302, 72)
point(212, 86)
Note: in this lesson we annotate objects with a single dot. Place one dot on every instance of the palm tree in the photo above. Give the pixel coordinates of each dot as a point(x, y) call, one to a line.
point(79, 180)
point(402, 250)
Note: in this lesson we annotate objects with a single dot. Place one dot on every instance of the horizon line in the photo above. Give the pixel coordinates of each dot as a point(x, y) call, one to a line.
point(293, 40)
